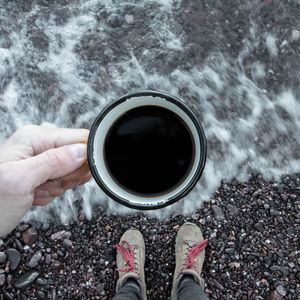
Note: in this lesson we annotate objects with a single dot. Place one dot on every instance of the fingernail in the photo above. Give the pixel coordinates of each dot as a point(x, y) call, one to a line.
point(78, 150)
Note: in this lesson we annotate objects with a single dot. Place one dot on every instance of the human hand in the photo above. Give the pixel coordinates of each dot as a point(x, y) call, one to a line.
point(38, 164)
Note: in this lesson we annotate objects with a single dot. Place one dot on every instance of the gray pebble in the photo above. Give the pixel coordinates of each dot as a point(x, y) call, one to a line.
point(281, 290)
point(35, 260)
point(30, 236)
point(42, 281)
point(14, 257)
point(67, 243)
point(259, 227)
point(59, 235)
point(26, 279)
point(41, 295)
point(2, 279)
point(2, 257)
point(48, 259)
point(218, 212)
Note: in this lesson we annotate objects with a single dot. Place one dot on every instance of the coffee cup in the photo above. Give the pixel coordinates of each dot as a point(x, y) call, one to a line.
point(146, 150)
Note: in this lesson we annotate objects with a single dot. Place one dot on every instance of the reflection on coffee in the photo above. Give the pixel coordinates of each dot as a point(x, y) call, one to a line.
point(149, 150)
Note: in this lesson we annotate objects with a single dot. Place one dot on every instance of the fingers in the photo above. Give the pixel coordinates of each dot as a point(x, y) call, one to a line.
point(42, 201)
point(43, 138)
point(80, 175)
point(56, 188)
point(31, 140)
point(53, 164)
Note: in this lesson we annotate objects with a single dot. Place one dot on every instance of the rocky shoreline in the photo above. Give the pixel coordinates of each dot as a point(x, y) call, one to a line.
point(253, 231)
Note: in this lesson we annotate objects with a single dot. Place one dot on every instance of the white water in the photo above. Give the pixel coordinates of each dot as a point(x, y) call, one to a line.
point(64, 72)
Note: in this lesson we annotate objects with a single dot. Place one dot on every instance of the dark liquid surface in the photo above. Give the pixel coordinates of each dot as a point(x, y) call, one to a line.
point(149, 150)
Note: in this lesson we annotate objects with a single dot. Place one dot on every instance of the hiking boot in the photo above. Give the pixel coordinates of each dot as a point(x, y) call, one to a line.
point(189, 250)
point(131, 260)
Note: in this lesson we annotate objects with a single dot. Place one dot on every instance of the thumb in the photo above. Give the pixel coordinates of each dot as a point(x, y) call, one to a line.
point(54, 163)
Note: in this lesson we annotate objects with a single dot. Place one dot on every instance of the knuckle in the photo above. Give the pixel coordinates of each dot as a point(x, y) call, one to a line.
point(52, 159)
point(25, 131)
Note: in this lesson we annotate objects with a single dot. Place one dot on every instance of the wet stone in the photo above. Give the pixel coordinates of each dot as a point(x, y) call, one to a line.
point(2, 279)
point(24, 297)
point(29, 236)
point(42, 281)
point(8, 296)
point(259, 227)
point(41, 295)
point(14, 257)
point(26, 279)
point(283, 270)
point(48, 259)
point(2, 257)
point(19, 245)
point(218, 212)
point(232, 209)
point(274, 212)
point(230, 251)
point(35, 260)
point(67, 243)
point(281, 290)
point(59, 235)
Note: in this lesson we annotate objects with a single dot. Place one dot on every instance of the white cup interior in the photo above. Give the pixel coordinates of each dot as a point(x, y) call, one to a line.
point(99, 145)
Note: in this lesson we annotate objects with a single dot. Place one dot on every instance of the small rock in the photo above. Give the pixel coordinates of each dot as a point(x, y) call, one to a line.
point(19, 245)
point(59, 235)
point(281, 290)
point(35, 259)
point(60, 253)
point(67, 243)
point(14, 257)
point(8, 296)
point(1, 243)
point(283, 270)
point(274, 212)
point(29, 236)
point(259, 227)
point(2, 279)
point(56, 264)
point(42, 281)
point(10, 279)
point(100, 287)
point(218, 212)
point(230, 251)
point(2, 257)
point(48, 259)
point(41, 295)
point(26, 279)
point(291, 265)
point(232, 209)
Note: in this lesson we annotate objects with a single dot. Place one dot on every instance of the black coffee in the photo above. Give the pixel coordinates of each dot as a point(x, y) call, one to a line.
point(149, 150)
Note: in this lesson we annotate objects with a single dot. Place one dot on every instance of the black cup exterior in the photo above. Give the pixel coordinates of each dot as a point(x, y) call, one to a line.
point(147, 205)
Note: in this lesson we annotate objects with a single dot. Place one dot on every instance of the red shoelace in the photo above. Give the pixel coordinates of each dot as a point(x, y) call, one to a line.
point(127, 252)
point(194, 252)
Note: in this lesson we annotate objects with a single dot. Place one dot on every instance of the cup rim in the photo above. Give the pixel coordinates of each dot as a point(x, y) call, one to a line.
point(186, 189)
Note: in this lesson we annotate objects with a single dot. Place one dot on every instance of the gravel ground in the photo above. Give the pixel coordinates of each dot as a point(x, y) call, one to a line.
point(253, 253)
